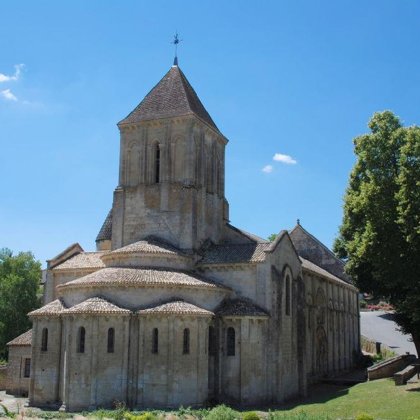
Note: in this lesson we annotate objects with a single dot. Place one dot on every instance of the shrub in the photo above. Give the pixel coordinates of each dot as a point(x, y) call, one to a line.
point(143, 416)
point(363, 304)
point(221, 412)
point(364, 416)
point(250, 415)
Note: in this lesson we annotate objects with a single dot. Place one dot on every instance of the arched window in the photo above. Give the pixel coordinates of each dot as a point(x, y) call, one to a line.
point(81, 340)
point(230, 342)
point(157, 163)
point(212, 341)
point(155, 341)
point(287, 295)
point(186, 342)
point(111, 335)
point(44, 339)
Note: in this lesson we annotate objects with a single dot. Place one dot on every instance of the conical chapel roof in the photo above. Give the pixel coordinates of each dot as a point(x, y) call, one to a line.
point(173, 96)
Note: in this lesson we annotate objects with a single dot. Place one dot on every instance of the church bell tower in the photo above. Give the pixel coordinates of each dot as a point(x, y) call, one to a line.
point(172, 170)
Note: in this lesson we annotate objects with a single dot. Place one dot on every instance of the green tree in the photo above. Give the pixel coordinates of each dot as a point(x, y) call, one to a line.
point(272, 237)
point(19, 281)
point(380, 233)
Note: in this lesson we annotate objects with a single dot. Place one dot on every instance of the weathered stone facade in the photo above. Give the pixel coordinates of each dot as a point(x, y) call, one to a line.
point(177, 306)
point(19, 366)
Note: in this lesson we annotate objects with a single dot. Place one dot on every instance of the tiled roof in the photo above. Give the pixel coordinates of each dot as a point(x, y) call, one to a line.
point(150, 245)
point(173, 96)
point(235, 254)
point(240, 307)
point(88, 260)
point(310, 266)
point(140, 277)
point(176, 307)
point(53, 308)
point(96, 305)
point(24, 339)
point(106, 230)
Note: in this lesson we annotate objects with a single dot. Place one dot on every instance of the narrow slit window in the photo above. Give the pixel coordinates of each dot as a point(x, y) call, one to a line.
point(288, 295)
point(212, 341)
point(230, 345)
point(186, 342)
point(155, 341)
point(27, 368)
point(44, 339)
point(111, 340)
point(157, 164)
point(81, 340)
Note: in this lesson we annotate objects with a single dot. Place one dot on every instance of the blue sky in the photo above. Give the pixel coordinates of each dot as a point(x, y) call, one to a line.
point(295, 78)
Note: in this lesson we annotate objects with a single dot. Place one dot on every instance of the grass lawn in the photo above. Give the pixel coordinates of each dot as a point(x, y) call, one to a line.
point(381, 399)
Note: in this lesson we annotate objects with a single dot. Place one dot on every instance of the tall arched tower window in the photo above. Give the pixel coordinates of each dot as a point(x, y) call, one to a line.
point(230, 342)
point(155, 341)
point(111, 339)
point(186, 342)
point(288, 295)
point(81, 340)
point(44, 341)
point(157, 163)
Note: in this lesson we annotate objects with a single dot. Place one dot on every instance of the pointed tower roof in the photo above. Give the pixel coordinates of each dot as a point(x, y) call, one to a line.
point(173, 96)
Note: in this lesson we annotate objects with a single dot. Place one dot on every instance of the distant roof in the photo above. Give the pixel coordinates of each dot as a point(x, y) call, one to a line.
point(141, 277)
point(248, 236)
point(24, 339)
point(69, 252)
point(240, 307)
point(310, 248)
point(176, 307)
point(235, 253)
point(96, 305)
point(106, 230)
point(173, 96)
point(53, 308)
point(88, 260)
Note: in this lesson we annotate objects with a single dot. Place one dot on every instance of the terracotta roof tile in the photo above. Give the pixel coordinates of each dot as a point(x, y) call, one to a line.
point(96, 305)
point(149, 245)
point(88, 260)
point(141, 277)
point(173, 96)
point(24, 339)
point(176, 307)
point(241, 307)
point(53, 308)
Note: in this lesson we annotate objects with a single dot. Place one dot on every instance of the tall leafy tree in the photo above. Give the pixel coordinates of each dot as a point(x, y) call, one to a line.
point(380, 233)
point(19, 282)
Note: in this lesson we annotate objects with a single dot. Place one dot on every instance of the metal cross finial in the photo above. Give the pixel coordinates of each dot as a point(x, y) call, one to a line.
point(176, 41)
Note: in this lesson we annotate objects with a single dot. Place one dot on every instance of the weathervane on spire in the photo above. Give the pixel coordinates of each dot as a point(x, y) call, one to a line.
point(176, 41)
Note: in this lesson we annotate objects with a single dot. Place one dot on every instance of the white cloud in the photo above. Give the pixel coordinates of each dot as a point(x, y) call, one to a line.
point(7, 94)
point(288, 160)
point(14, 77)
point(267, 169)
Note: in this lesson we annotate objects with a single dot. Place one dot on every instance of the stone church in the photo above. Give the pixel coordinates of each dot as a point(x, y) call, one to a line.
point(177, 306)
